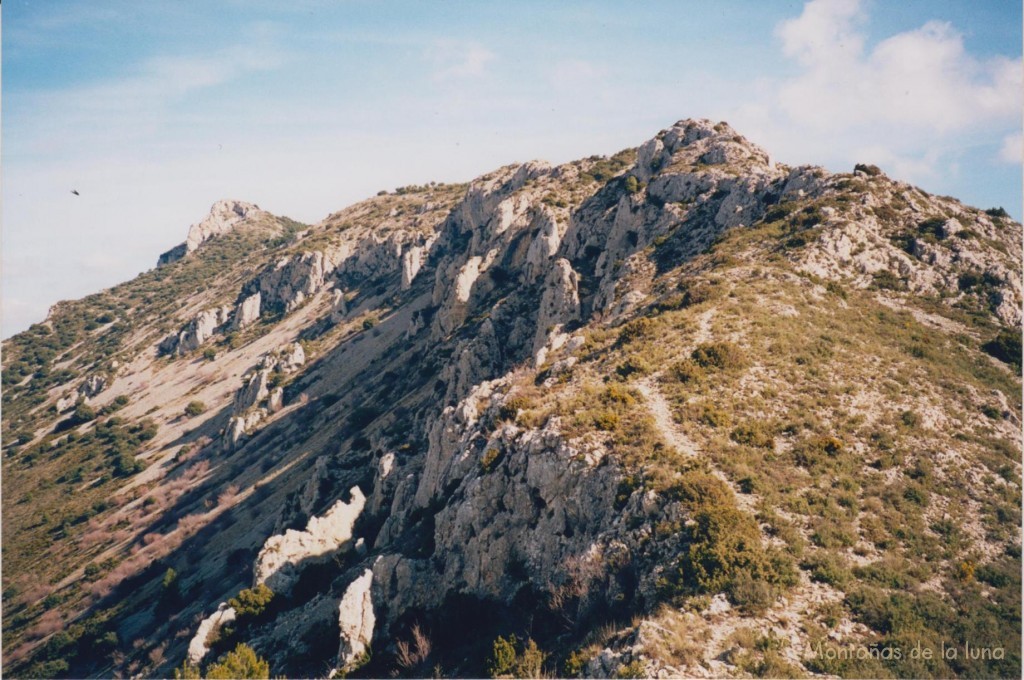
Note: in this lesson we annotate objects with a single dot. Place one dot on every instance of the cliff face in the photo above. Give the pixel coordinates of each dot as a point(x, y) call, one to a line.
point(679, 411)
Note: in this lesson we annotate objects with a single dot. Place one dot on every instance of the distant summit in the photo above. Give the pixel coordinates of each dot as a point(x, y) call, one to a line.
point(223, 217)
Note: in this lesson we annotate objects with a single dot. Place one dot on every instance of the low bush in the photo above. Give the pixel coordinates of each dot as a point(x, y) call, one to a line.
point(195, 408)
point(243, 662)
point(869, 170)
point(720, 355)
point(754, 433)
point(637, 329)
point(511, 658)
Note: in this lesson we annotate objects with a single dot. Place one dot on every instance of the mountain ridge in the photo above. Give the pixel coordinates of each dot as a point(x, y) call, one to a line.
point(567, 396)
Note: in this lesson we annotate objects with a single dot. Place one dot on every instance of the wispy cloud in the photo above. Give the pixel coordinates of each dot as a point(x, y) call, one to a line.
point(1012, 150)
point(454, 60)
point(82, 119)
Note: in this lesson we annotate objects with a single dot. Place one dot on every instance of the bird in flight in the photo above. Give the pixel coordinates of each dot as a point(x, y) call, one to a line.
point(75, 192)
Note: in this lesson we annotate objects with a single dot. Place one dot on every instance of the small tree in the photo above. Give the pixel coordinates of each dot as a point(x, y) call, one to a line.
point(252, 602)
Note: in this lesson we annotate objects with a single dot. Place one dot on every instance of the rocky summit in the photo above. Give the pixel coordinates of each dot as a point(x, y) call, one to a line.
point(678, 412)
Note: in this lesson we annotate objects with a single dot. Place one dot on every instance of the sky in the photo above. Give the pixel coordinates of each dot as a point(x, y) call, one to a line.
point(153, 111)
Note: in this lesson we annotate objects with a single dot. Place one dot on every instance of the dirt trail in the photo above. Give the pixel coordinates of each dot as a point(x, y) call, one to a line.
point(661, 411)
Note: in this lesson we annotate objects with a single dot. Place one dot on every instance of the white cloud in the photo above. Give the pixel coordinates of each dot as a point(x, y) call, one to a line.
point(824, 34)
point(914, 101)
point(922, 78)
point(453, 60)
point(1012, 150)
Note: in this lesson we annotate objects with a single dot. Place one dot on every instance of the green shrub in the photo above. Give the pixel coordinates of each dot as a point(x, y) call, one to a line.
point(511, 658)
point(826, 567)
point(686, 371)
point(633, 669)
point(195, 408)
point(697, 489)
point(511, 408)
point(933, 226)
point(188, 671)
point(886, 280)
point(83, 413)
point(869, 170)
point(369, 323)
point(243, 662)
point(632, 185)
point(606, 420)
point(997, 212)
point(634, 366)
point(637, 329)
point(754, 433)
point(575, 664)
point(817, 450)
point(251, 602)
point(720, 355)
point(209, 354)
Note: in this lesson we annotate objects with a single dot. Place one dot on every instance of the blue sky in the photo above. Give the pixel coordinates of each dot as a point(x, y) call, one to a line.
point(155, 110)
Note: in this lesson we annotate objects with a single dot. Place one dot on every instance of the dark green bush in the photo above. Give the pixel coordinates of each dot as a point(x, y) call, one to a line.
point(1006, 347)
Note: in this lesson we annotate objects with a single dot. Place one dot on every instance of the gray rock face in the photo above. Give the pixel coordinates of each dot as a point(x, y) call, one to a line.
point(292, 280)
point(412, 260)
point(339, 307)
point(559, 304)
point(252, 392)
point(91, 386)
point(247, 311)
point(223, 217)
point(525, 497)
point(239, 426)
point(292, 358)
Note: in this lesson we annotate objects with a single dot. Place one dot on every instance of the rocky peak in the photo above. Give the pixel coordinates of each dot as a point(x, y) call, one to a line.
point(695, 143)
point(224, 216)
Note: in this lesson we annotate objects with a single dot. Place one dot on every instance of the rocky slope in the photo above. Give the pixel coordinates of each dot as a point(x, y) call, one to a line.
point(680, 411)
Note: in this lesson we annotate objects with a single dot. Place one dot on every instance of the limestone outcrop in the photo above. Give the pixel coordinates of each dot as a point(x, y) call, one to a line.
point(283, 556)
point(197, 332)
point(355, 620)
point(198, 647)
point(291, 280)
